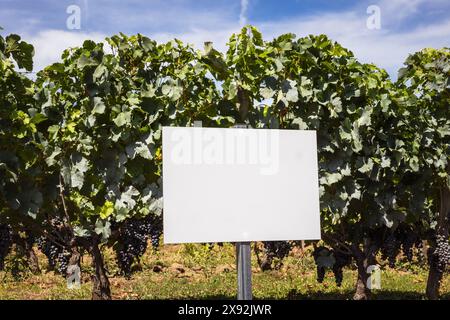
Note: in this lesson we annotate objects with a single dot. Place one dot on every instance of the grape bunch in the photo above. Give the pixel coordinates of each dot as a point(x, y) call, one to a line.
point(403, 238)
point(320, 273)
point(278, 249)
point(409, 239)
point(154, 237)
point(156, 230)
point(338, 274)
point(390, 249)
point(408, 243)
point(133, 241)
point(275, 250)
point(318, 253)
point(58, 257)
point(341, 260)
point(63, 261)
point(6, 241)
point(337, 257)
point(441, 253)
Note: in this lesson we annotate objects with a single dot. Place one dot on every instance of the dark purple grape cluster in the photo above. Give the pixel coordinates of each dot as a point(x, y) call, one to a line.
point(441, 254)
point(408, 244)
point(317, 254)
point(341, 260)
point(390, 249)
point(403, 239)
point(320, 273)
point(58, 256)
point(6, 241)
point(278, 249)
point(409, 239)
point(156, 231)
point(338, 274)
point(275, 250)
point(133, 240)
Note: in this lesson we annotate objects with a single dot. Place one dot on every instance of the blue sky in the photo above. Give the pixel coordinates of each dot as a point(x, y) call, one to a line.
point(406, 25)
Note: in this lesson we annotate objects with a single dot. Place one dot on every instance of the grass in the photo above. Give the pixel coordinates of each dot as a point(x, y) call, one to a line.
point(197, 272)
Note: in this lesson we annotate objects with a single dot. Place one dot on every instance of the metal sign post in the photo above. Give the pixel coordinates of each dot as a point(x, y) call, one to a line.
point(244, 270)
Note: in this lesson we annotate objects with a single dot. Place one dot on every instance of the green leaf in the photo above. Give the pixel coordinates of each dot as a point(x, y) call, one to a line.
point(76, 179)
point(289, 87)
point(330, 178)
point(344, 134)
point(402, 73)
point(346, 171)
point(122, 119)
point(147, 44)
point(232, 90)
point(443, 131)
point(279, 65)
point(38, 118)
point(156, 206)
point(79, 168)
point(365, 119)
point(148, 91)
point(357, 143)
point(90, 121)
point(126, 202)
point(85, 61)
point(53, 131)
point(103, 229)
point(366, 167)
point(140, 149)
point(99, 72)
point(385, 162)
point(106, 210)
point(51, 159)
point(21, 51)
point(292, 95)
point(81, 232)
point(414, 163)
point(99, 106)
point(337, 107)
point(266, 93)
point(300, 123)
point(385, 102)
point(133, 101)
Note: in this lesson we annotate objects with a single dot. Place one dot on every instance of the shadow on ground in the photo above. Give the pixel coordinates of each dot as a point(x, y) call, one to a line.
point(347, 295)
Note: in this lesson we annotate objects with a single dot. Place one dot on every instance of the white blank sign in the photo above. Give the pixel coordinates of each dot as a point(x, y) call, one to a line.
point(239, 185)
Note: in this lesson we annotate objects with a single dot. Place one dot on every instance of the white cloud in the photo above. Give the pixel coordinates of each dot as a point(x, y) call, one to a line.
point(243, 13)
point(399, 9)
point(50, 44)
